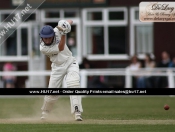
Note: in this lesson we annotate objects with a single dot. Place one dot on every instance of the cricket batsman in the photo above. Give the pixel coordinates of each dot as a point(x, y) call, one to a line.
point(65, 68)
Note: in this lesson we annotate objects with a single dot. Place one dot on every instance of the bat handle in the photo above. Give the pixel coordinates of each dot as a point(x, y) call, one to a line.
point(60, 28)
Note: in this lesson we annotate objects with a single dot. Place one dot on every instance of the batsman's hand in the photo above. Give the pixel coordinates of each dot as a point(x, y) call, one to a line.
point(64, 27)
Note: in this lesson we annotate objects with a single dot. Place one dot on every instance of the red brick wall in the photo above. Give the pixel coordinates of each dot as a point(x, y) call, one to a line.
point(6, 4)
point(164, 39)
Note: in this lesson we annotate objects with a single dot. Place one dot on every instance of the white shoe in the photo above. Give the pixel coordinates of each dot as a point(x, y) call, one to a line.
point(44, 115)
point(78, 116)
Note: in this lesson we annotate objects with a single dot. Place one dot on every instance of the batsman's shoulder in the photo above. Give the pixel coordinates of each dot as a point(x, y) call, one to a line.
point(42, 46)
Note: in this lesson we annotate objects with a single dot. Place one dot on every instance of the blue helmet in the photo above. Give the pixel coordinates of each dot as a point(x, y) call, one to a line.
point(47, 32)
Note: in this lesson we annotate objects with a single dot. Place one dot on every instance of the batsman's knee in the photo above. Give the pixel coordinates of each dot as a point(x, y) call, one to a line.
point(72, 80)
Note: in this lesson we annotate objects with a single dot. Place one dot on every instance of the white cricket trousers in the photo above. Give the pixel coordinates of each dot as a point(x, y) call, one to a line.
point(56, 81)
point(59, 71)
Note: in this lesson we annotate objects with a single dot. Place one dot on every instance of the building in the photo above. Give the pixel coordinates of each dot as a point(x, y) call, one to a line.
point(106, 32)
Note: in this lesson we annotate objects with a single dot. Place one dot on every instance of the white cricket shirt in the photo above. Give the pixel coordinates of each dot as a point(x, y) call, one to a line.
point(52, 51)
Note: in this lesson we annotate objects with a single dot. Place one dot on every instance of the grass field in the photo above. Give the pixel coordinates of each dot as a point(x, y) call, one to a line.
point(101, 114)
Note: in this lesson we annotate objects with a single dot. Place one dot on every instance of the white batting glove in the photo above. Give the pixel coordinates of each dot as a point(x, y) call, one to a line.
point(64, 27)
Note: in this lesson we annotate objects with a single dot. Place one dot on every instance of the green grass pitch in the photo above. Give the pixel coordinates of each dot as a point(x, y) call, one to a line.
point(101, 114)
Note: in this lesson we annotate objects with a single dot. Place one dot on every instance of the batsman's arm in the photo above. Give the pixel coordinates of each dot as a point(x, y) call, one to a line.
point(63, 39)
point(62, 43)
point(70, 22)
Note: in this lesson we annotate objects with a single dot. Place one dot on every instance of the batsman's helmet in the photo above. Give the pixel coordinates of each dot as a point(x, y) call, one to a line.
point(47, 32)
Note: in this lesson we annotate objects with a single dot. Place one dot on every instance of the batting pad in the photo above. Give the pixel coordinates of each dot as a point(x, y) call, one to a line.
point(72, 80)
point(49, 101)
point(75, 101)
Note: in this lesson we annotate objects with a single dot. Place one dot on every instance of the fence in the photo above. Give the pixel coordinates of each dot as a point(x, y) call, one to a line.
point(169, 72)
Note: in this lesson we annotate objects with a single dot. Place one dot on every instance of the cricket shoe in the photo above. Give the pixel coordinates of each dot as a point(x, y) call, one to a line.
point(44, 115)
point(78, 116)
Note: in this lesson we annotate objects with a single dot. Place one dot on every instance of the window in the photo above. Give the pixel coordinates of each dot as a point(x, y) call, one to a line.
point(141, 35)
point(95, 40)
point(136, 15)
point(16, 40)
point(144, 37)
point(52, 14)
point(105, 33)
point(10, 45)
point(29, 17)
point(24, 41)
point(7, 17)
point(94, 16)
point(68, 14)
point(55, 14)
point(117, 40)
point(116, 15)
